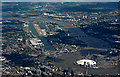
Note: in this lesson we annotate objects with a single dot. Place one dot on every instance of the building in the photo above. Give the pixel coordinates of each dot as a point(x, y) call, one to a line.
point(36, 42)
point(86, 63)
point(26, 24)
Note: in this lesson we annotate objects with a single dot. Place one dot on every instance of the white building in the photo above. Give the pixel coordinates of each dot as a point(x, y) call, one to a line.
point(26, 24)
point(36, 42)
point(86, 63)
point(2, 58)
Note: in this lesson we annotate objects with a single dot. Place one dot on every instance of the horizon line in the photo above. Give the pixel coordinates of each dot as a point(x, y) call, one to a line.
point(60, 1)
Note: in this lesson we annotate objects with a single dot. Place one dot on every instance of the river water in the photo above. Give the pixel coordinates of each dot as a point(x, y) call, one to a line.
point(48, 46)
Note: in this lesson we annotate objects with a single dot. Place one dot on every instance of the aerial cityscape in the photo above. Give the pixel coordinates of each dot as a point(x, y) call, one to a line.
point(60, 39)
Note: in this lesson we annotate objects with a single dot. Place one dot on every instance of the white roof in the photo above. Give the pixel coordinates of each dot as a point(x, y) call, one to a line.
point(35, 41)
point(2, 58)
point(86, 61)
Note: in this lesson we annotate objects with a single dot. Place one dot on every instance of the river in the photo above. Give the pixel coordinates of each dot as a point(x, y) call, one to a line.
point(48, 46)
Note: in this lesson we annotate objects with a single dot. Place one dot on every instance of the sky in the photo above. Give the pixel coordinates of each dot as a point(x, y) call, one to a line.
point(61, 0)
